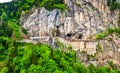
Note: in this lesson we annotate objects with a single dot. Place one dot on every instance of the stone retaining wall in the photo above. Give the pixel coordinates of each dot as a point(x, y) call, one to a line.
point(83, 45)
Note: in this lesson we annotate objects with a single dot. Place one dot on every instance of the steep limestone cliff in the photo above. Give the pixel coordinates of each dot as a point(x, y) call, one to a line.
point(86, 18)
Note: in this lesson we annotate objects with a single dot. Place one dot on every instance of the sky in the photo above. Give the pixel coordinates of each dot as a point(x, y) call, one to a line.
point(1, 1)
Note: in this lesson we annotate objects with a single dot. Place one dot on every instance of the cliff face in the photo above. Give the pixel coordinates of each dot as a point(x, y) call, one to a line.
point(86, 18)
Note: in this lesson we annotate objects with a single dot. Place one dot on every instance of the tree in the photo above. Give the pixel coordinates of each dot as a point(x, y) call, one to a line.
point(4, 16)
point(50, 66)
point(35, 69)
point(30, 1)
point(5, 70)
point(26, 59)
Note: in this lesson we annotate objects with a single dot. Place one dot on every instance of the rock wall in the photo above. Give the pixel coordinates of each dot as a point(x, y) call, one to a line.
point(89, 18)
point(85, 19)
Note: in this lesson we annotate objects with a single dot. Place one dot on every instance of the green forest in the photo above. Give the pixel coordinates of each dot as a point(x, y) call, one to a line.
point(16, 57)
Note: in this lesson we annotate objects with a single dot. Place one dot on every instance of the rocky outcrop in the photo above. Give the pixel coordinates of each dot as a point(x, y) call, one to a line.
point(85, 19)
point(89, 18)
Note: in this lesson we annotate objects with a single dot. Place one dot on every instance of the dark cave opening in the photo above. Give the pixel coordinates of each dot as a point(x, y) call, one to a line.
point(69, 35)
point(80, 36)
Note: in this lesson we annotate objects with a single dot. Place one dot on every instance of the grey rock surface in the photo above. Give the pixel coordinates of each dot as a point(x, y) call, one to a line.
point(89, 19)
point(92, 17)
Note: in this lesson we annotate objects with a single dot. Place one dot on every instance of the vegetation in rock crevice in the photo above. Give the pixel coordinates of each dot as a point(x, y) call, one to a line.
point(113, 4)
point(109, 31)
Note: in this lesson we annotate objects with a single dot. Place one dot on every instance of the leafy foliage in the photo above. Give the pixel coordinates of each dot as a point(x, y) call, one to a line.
point(16, 57)
point(109, 31)
point(113, 4)
point(36, 59)
point(52, 4)
point(14, 9)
